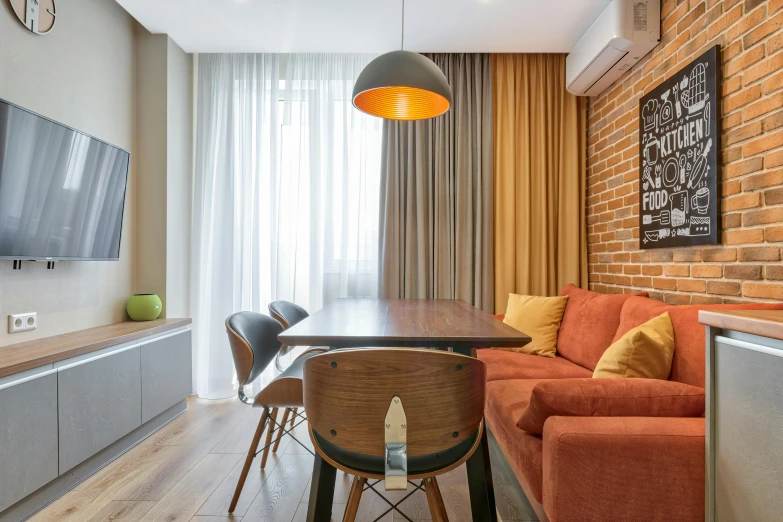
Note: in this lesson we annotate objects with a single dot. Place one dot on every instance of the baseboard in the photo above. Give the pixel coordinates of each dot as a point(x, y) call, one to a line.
point(514, 499)
point(44, 496)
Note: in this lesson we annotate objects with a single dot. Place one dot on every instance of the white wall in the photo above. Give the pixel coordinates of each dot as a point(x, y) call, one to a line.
point(81, 74)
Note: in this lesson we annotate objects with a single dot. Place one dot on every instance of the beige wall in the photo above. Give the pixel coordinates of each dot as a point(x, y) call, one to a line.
point(179, 180)
point(150, 258)
point(164, 131)
point(82, 74)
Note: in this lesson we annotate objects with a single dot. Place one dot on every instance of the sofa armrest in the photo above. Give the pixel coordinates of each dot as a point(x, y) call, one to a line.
point(623, 468)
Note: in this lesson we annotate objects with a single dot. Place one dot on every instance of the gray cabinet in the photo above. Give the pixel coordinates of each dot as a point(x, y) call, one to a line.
point(28, 436)
point(744, 434)
point(99, 402)
point(166, 376)
point(64, 420)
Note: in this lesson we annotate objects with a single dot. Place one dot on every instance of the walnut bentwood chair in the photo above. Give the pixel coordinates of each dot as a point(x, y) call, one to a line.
point(396, 415)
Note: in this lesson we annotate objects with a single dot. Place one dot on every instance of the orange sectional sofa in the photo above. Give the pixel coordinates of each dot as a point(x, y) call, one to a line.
point(616, 455)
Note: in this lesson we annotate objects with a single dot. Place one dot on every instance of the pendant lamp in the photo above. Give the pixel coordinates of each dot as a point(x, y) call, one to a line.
point(402, 85)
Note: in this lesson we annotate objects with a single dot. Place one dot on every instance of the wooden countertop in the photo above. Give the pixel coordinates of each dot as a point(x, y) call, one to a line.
point(766, 323)
point(16, 358)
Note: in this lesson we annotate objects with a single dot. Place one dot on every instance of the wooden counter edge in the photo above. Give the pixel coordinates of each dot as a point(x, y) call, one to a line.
point(764, 323)
point(17, 358)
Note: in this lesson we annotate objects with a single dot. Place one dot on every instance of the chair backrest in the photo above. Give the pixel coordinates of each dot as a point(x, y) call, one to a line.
point(254, 344)
point(287, 313)
point(347, 394)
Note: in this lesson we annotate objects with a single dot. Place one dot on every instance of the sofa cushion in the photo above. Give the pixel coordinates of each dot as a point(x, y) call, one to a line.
point(644, 352)
point(524, 452)
point(689, 341)
point(609, 398)
point(503, 365)
point(589, 323)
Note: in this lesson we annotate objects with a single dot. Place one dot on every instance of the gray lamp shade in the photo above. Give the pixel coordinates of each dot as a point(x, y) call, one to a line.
point(402, 85)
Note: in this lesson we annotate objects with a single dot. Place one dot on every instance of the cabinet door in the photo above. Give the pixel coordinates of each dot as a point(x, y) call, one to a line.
point(748, 440)
point(166, 375)
point(99, 402)
point(28, 437)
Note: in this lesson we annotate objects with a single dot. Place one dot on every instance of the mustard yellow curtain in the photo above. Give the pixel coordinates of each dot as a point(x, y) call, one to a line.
point(540, 156)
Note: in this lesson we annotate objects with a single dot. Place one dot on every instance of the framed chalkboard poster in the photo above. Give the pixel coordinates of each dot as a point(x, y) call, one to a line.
point(679, 144)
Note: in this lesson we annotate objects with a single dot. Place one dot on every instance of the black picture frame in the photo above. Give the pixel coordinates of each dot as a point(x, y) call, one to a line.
point(679, 157)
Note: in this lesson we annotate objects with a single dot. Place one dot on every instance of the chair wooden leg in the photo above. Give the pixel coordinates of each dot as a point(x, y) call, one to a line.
point(435, 500)
point(286, 413)
point(293, 418)
point(251, 453)
point(354, 497)
point(269, 433)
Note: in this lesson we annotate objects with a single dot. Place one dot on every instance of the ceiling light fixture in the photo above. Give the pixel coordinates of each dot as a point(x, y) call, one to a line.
point(402, 85)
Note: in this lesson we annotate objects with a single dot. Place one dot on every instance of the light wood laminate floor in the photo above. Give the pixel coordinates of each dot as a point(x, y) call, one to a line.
point(187, 471)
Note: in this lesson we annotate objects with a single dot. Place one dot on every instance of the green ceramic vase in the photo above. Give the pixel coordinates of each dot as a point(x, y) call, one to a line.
point(144, 307)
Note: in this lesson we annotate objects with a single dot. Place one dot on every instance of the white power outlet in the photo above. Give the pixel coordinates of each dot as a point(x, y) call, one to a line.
point(22, 322)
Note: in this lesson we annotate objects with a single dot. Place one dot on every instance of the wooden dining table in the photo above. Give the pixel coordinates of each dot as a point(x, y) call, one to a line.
point(425, 323)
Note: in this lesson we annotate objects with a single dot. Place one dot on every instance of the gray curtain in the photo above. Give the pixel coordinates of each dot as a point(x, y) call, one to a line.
point(436, 206)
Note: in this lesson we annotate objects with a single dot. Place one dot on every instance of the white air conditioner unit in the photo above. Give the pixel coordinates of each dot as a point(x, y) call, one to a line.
point(625, 32)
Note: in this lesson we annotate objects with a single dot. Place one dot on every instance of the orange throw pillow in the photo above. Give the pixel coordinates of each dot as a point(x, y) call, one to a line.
point(589, 397)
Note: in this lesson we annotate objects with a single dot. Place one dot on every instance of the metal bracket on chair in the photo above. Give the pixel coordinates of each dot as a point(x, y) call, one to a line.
point(396, 447)
point(247, 399)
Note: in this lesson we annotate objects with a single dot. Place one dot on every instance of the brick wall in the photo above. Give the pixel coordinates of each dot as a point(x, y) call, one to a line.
point(747, 265)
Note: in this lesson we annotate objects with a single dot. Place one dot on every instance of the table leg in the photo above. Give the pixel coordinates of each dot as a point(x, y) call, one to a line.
point(319, 508)
point(482, 492)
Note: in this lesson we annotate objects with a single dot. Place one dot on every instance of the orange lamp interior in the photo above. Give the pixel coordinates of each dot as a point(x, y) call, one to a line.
point(401, 103)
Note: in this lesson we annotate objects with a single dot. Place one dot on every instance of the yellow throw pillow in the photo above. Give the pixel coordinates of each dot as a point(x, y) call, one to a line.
point(538, 317)
point(645, 351)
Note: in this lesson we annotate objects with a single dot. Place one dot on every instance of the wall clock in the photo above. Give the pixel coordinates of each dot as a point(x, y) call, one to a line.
point(38, 16)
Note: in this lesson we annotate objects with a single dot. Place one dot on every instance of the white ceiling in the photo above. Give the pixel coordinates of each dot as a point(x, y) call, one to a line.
point(368, 25)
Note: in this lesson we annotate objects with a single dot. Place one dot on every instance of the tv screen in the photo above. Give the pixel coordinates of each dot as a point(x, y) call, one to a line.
point(62, 192)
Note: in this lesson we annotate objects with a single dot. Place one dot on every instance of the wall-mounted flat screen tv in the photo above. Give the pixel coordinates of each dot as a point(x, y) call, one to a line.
point(62, 192)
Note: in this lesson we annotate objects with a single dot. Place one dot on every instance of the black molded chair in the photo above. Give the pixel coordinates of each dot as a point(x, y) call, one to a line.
point(288, 314)
point(254, 345)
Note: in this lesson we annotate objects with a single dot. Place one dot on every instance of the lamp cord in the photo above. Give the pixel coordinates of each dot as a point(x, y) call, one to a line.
point(402, 36)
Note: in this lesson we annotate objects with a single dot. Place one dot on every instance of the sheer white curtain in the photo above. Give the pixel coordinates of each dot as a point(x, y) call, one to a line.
point(286, 194)
point(327, 243)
